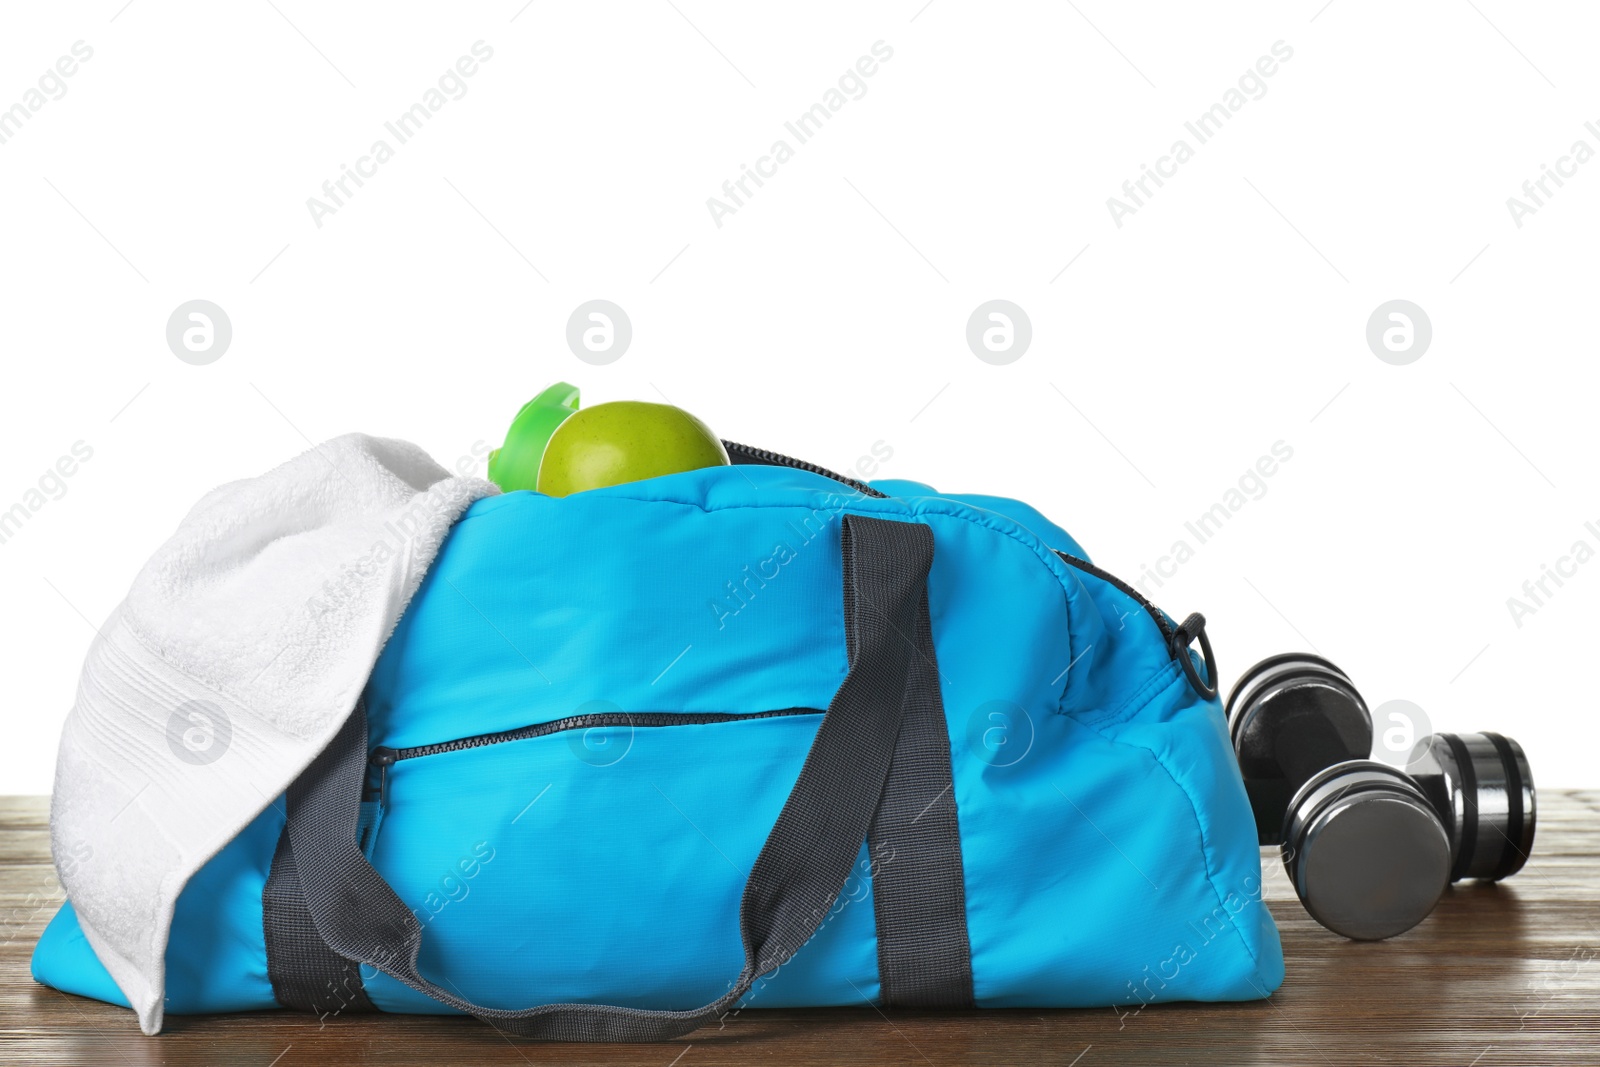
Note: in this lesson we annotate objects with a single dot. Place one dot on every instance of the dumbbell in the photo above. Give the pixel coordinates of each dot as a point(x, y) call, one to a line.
point(1368, 848)
point(1365, 849)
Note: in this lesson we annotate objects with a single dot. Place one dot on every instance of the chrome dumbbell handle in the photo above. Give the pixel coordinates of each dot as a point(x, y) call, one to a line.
point(1482, 787)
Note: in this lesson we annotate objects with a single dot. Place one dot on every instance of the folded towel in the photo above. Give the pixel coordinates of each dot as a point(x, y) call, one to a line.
point(241, 648)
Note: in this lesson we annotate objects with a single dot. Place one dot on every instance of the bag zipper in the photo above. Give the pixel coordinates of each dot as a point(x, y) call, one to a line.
point(777, 459)
point(1165, 624)
point(764, 458)
point(383, 757)
point(1177, 638)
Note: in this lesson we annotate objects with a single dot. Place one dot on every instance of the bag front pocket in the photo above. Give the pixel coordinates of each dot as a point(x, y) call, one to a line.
point(600, 857)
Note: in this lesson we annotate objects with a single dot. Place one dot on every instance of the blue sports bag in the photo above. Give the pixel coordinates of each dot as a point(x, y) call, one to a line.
point(639, 758)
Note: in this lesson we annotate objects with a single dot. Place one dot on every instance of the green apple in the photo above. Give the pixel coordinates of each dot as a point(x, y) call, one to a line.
point(515, 464)
point(625, 441)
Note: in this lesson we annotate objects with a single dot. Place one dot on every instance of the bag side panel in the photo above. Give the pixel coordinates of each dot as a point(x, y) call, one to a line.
point(1094, 859)
point(1187, 736)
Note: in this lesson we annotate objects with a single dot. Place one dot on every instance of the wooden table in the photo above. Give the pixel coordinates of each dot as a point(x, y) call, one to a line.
point(1506, 974)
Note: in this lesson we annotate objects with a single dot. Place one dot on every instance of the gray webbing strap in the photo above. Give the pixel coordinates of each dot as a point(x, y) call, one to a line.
point(919, 895)
point(797, 876)
point(305, 973)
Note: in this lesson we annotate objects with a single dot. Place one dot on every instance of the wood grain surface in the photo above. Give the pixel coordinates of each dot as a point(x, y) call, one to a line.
point(1499, 974)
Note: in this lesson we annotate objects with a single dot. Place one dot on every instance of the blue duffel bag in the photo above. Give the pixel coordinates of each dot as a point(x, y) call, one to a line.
point(743, 737)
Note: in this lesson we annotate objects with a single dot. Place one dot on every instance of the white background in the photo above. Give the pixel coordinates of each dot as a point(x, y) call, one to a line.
point(829, 311)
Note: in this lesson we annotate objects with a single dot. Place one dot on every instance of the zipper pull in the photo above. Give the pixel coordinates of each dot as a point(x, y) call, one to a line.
point(1191, 628)
point(382, 758)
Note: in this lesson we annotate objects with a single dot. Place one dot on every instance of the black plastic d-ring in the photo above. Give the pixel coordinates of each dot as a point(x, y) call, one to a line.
point(1195, 627)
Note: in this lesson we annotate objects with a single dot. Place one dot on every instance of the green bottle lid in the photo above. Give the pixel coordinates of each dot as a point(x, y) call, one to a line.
point(515, 464)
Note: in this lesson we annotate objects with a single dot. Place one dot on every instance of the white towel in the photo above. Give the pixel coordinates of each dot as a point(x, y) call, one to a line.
point(241, 648)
